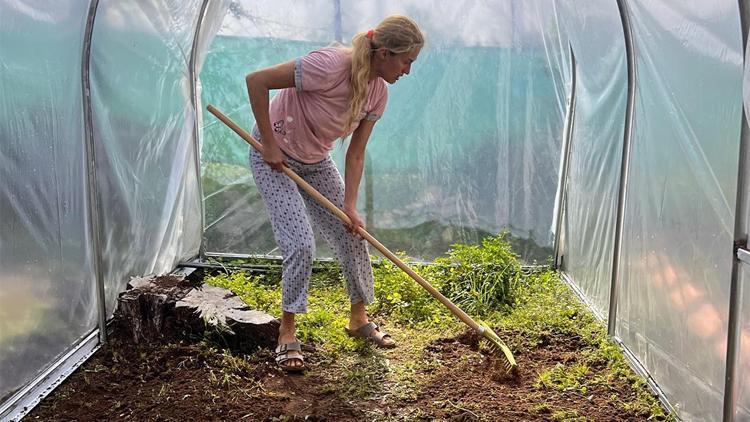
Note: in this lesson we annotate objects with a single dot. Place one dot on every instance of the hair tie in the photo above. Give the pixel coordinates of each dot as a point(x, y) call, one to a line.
point(370, 33)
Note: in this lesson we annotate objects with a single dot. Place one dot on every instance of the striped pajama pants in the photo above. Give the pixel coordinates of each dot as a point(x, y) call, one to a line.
point(291, 211)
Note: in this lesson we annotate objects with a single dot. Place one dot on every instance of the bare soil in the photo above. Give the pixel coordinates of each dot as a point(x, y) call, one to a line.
point(195, 382)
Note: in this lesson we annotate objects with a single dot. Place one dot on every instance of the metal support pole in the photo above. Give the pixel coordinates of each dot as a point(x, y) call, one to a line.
point(740, 242)
point(94, 208)
point(562, 182)
point(624, 167)
point(337, 27)
point(196, 130)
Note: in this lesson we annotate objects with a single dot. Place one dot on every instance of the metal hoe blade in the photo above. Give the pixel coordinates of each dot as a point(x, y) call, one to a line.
point(496, 344)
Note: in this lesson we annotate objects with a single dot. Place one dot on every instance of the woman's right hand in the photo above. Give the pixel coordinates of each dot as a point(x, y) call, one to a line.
point(274, 157)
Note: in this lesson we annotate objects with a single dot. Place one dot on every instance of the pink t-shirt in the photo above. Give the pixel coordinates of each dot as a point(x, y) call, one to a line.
point(308, 119)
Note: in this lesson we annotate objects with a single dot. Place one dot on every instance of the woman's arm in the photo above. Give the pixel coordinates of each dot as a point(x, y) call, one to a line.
point(259, 83)
point(355, 162)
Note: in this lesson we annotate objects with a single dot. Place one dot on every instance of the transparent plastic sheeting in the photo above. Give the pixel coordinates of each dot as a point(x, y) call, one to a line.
point(679, 217)
point(596, 146)
point(144, 131)
point(47, 290)
point(469, 143)
point(212, 21)
point(743, 360)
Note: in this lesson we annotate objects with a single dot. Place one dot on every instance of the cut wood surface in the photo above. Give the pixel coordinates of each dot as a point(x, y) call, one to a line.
point(156, 309)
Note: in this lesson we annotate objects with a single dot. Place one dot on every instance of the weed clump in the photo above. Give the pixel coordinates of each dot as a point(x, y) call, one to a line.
point(400, 298)
point(480, 279)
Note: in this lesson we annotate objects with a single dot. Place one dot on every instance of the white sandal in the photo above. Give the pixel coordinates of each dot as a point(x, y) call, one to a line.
point(282, 356)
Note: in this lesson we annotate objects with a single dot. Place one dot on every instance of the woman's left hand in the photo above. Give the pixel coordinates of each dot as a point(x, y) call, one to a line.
point(355, 218)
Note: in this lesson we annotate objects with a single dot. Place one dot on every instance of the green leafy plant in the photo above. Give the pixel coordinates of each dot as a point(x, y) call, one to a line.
point(402, 299)
point(480, 279)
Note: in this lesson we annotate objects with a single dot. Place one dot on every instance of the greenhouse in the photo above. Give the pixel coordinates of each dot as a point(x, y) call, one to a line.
point(602, 144)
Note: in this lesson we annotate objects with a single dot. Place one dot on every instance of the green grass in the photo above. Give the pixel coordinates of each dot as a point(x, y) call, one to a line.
point(562, 377)
point(568, 416)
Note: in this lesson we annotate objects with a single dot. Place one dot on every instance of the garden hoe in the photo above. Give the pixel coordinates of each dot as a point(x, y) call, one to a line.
point(494, 341)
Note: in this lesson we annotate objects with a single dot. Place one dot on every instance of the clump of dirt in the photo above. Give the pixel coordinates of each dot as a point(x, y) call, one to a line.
point(167, 281)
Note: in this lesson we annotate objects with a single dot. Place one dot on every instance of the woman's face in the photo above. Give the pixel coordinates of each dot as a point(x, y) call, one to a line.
point(391, 66)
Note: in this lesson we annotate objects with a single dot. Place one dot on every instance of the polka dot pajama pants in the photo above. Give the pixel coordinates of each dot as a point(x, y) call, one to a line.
point(291, 210)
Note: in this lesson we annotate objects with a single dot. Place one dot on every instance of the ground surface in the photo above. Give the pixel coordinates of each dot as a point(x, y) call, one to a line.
point(194, 382)
point(567, 369)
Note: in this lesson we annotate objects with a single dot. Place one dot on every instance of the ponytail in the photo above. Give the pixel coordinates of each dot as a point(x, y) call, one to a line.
point(398, 34)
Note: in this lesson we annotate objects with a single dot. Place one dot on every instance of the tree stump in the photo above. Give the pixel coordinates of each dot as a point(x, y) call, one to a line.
point(159, 309)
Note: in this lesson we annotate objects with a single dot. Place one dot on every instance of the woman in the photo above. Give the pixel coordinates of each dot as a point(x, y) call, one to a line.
point(325, 95)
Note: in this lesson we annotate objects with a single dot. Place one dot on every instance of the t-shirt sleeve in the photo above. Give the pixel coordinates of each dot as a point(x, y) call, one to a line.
point(318, 70)
point(379, 100)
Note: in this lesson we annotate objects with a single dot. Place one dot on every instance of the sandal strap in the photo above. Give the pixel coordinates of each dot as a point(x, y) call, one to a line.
point(287, 347)
point(285, 357)
point(366, 330)
point(282, 352)
point(370, 331)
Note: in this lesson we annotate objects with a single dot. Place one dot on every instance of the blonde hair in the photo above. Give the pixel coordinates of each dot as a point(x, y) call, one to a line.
point(398, 34)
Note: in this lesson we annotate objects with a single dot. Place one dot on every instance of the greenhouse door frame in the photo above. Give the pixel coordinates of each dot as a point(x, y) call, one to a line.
point(741, 254)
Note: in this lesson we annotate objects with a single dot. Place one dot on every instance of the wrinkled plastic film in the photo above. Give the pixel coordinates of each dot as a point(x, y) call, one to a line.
point(212, 21)
point(47, 290)
point(743, 356)
point(482, 92)
point(677, 245)
point(596, 146)
point(143, 128)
